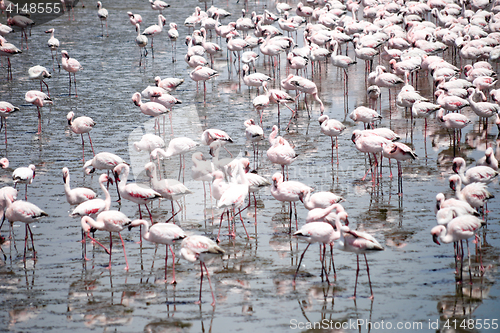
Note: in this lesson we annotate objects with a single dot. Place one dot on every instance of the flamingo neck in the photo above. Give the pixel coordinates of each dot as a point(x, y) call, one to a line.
point(87, 221)
point(107, 197)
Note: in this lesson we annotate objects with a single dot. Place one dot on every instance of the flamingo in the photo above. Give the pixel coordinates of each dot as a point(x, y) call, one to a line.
point(400, 152)
point(133, 192)
point(5, 110)
point(25, 212)
point(71, 65)
point(142, 42)
point(173, 34)
point(287, 191)
point(201, 73)
point(456, 121)
point(102, 14)
point(210, 48)
point(254, 79)
point(254, 133)
point(488, 159)
point(369, 144)
point(161, 233)
point(39, 99)
point(168, 84)
point(343, 62)
point(460, 228)
point(80, 126)
point(111, 221)
point(476, 194)
point(462, 207)
point(104, 161)
point(215, 138)
point(450, 102)
point(195, 248)
point(332, 128)
point(24, 175)
point(280, 152)
point(169, 189)
point(153, 109)
point(154, 30)
point(307, 86)
point(77, 195)
point(481, 174)
point(279, 97)
point(95, 206)
point(158, 5)
point(24, 23)
point(8, 50)
point(359, 243)
point(149, 142)
point(134, 18)
point(177, 146)
point(234, 196)
point(319, 199)
point(39, 73)
point(365, 115)
point(316, 232)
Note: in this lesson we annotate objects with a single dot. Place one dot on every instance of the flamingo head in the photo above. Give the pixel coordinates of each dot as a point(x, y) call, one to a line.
point(343, 217)
point(136, 223)
point(65, 54)
point(65, 172)
point(99, 4)
point(4, 163)
point(105, 179)
point(136, 98)
point(454, 180)
point(435, 232)
point(277, 179)
point(69, 117)
point(322, 119)
point(458, 163)
point(49, 31)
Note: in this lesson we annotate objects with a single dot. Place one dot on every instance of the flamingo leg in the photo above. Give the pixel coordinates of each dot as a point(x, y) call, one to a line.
point(368, 273)
point(173, 266)
point(357, 273)
point(96, 241)
point(91, 145)
point(300, 262)
point(124, 253)
point(39, 121)
point(201, 283)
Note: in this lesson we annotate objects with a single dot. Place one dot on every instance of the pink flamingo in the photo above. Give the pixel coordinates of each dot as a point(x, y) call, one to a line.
point(450, 102)
point(71, 65)
point(212, 135)
point(210, 48)
point(343, 62)
point(25, 212)
point(161, 233)
point(153, 109)
point(455, 121)
point(332, 128)
point(134, 18)
point(319, 199)
point(158, 5)
point(141, 41)
point(24, 175)
point(462, 207)
point(39, 99)
point(400, 152)
point(280, 97)
point(254, 133)
point(254, 79)
point(476, 194)
point(460, 228)
point(169, 83)
point(369, 144)
point(281, 152)
point(154, 30)
point(307, 86)
point(287, 191)
point(195, 248)
point(5, 110)
point(149, 142)
point(24, 23)
point(359, 243)
point(133, 192)
point(39, 73)
point(201, 73)
point(480, 174)
point(111, 221)
point(95, 206)
point(169, 189)
point(104, 161)
point(8, 50)
point(365, 115)
point(177, 146)
point(488, 159)
point(77, 195)
point(102, 14)
point(80, 126)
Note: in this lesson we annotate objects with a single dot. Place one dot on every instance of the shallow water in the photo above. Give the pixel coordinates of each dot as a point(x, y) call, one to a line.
point(413, 279)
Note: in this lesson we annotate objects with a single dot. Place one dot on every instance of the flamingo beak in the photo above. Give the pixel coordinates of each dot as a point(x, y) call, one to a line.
point(117, 176)
point(454, 167)
point(110, 180)
point(452, 185)
point(435, 239)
